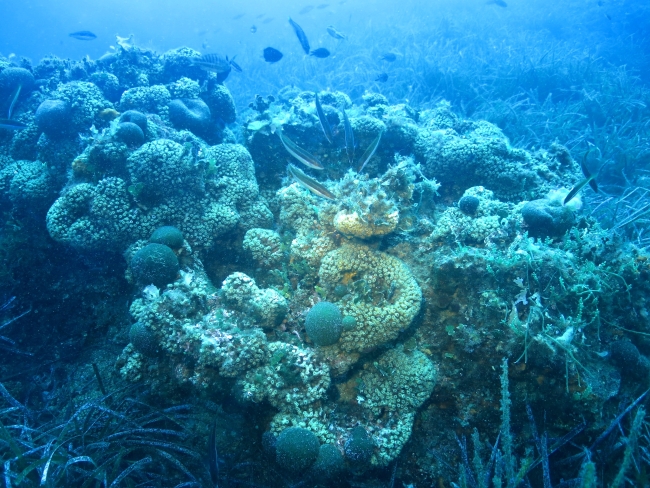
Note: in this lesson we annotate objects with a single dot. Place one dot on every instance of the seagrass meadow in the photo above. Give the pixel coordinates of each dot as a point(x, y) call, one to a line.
point(379, 245)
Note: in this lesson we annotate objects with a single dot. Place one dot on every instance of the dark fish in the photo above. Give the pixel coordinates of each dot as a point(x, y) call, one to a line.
point(368, 154)
point(213, 62)
point(327, 130)
point(234, 65)
point(349, 137)
point(390, 57)
point(382, 77)
point(268, 21)
point(331, 30)
point(11, 124)
point(500, 3)
point(609, 17)
point(300, 154)
point(14, 99)
point(301, 36)
point(253, 29)
point(260, 16)
point(306, 10)
point(323, 5)
point(321, 52)
point(310, 183)
point(272, 55)
point(238, 16)
point(83, 35)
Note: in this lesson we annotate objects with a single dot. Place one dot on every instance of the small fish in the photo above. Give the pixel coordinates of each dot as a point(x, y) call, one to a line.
point(253, 29)
point(390, 57)
point(306, 10)
point(301, 35)
point(349, 137)
point(310, 183)
point(369, 153)
point(260, 16)
point(585, 171)
point(272, 55)
point(609, 17)
point(331, 30)
point(323, 5)
point(238, 16)
point(382, 77)
point(324, 123)
point(204, 45)
point(83, 35)
point(321, 52)
point(268, 21)
point(300, 154)
point(14, 99)
point(212, 62)
point(11, 124)
point(500, 3)
point(588, 180)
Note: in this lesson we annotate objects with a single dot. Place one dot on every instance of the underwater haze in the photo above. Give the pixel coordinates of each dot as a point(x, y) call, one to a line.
point(325, 244)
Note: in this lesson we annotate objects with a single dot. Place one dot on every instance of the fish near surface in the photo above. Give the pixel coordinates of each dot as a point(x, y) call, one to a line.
point(306, 10)
point(272, 55)
point(83, 35)
point(300, 34)
point(321, 52)
point(310, 183)
point(253, 29)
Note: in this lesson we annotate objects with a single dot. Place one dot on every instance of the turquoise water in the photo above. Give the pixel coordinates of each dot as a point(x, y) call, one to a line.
point(383, 244)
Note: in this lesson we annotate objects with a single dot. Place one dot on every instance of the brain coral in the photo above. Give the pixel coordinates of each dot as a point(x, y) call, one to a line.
point(167, 186)
point(478, 155)
point(383, 295)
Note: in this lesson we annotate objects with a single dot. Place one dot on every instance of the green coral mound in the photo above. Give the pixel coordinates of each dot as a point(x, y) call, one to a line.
point(154, 264)
point(324, 324)
point(359, 447)
point(167, 235)
point(297, 449)
point(329, 464)
point(143, 339)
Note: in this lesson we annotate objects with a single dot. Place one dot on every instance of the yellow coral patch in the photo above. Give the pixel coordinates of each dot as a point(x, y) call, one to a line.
point(347, 277)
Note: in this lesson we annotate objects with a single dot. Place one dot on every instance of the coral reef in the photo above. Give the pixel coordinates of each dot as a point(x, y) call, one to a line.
point(357, 332)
